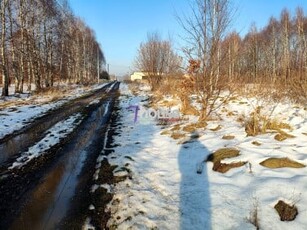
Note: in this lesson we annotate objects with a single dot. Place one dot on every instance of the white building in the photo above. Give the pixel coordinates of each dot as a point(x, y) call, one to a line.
point(139, 76)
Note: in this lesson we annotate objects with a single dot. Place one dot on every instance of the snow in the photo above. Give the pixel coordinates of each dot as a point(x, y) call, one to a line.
point(53, 136)
point(16, 117)
point(165, 191)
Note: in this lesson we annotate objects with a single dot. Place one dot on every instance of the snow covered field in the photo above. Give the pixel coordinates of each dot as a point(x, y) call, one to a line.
point(166, 192)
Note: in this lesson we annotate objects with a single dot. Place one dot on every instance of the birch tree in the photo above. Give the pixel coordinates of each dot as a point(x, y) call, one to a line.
point(3, 48)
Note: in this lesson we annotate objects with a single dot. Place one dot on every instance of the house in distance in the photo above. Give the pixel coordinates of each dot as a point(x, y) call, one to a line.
point(139, 76)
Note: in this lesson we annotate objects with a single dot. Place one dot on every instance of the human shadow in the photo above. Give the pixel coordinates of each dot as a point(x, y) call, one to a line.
point(195, 203)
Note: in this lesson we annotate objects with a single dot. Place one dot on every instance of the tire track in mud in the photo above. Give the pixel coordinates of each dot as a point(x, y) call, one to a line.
point(43, 190)
point(11, 145)
point(99, 167)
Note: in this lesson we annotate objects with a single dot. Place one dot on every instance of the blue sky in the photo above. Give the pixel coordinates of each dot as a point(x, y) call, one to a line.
point(121, 25)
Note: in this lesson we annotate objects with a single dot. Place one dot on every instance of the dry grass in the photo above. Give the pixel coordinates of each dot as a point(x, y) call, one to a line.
point(176, 127)
point(222, 154)
point(233, 98)
point(230, 114)
point(241, 119)
point(174, 87)
point(260, 124)
point(166, 132)
point(194, 126)
point(256, 143)
point(281, 163)
point(201, 124)
point(190, 128)
point(38, 97)
point(228, 137)
point(7, 104)
point(281, 136)
point(54, 93)
point(216, 128)
point(170, 103)
point(223, 167)
point(277, 125)
point(254, 217)
point(177, 135)
point(188, 109)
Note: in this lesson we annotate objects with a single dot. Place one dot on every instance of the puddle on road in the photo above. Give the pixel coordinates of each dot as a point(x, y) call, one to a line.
point(20, 142)
point(50, 200)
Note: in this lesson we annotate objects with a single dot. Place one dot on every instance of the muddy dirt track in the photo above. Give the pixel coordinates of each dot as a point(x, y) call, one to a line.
point(53, 191)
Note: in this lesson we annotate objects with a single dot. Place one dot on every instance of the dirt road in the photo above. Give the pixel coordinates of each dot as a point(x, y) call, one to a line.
point(53, 190)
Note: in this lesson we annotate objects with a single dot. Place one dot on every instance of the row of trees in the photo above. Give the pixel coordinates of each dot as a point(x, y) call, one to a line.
point(276, 54)
point(42, 41)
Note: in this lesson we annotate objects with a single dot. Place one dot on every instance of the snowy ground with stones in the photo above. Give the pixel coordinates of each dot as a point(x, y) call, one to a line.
point(166, 192)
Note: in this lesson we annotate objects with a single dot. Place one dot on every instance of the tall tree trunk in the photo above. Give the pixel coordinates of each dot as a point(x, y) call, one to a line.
point(4, 71)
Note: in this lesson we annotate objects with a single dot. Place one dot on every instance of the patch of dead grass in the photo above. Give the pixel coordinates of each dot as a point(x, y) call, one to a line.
point(165, 132)
point(241, 119)
point(281, 163)
point(223, 167)
point(201, 124)
point(170, 103)
point(277, 125)
point(190, 128)
point(222, 154)
point(219, 127)
point(258, 124)
point(177, 135)
point(256, 143)
point(228, 137)
point(189, 110)
point(194, 126)
point(281, 136)
point(176, 127)
point(230, 114)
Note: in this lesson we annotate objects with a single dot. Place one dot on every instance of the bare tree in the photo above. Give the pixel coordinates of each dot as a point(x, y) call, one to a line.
point(286, 26)
point(302, 43)
point(156, 57)
point(205, 28)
